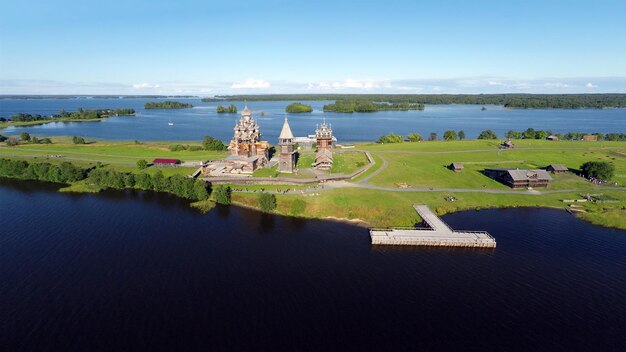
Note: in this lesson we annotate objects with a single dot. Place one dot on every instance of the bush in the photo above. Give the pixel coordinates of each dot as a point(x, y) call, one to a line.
point(432, 136)
point(194, 148)
point(415, 137)
point(142, 164)
point(487, 134)
point(390, 138)
point(603, 170)
point(461, 135)
point(210, 143)
point(177, 148)
point(25, 136)
point(449, 135)
point(223, 194)
point(298, 206)
point(12, 141)
point(78, 140)
point(267, 202)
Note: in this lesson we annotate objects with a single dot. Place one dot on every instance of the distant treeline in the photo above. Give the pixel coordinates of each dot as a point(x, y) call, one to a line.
point(232, 109)
point(167, 105)
point(349, 106)
point(531, 133)
point(93, 96)
point(80, 114)
point(67, 172)
point(520, 101)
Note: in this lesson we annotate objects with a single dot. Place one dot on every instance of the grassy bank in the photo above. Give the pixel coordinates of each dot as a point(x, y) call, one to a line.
point(43, 122)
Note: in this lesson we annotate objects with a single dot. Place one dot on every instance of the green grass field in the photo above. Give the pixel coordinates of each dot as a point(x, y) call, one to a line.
point(422, 165)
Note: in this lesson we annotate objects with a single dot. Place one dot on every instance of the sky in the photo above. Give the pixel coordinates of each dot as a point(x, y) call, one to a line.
point(276, 46)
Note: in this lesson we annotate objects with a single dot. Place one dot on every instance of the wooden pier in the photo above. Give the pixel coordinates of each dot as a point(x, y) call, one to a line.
point(436, 234)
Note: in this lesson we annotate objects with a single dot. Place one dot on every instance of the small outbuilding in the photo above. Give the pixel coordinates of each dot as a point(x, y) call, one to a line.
point(162, 162)
point(552, 138)
point(506, 144)
point(456, 167)
point(590, 138)
point(557, 168)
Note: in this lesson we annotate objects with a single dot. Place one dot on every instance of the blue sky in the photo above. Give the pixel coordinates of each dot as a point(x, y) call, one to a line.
point(231, 47)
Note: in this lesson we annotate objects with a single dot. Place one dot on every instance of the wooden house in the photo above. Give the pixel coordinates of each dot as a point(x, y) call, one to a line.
point(456, 167)
point(520, 178)
point(557, 168)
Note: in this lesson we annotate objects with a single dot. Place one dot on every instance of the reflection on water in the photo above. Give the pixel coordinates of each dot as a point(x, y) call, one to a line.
point(142, 271)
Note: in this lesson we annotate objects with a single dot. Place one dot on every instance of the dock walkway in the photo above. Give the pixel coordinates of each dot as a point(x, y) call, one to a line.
point(437, 234)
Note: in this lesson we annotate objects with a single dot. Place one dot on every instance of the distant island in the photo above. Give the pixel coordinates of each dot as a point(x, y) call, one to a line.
point(297, 108)
point(167, 105)
point(350, 106)
point(80, 115)
point(513, 101)
point(106, 96)
point(232, 109)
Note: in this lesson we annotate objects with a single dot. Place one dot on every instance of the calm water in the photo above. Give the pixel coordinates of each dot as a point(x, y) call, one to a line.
point(193, 124)
point(141, 271)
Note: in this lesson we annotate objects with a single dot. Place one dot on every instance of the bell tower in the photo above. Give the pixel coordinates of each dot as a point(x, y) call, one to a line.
point(287, 155)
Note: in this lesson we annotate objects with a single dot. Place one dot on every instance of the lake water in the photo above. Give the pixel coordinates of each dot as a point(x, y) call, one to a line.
point(193, 124)
point(142, 271)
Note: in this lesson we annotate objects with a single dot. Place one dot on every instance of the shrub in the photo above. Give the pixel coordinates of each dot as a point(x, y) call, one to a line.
point(142, 164)
point(461, 135)
point(177, 148)
point(449, 135)
point(25, 136)
point(267, 202)
point(391, 138)
point(415, 137)
point(210, 143)
point(432, 136)
point(487, 134)
point(78, 140)
point(223, 194)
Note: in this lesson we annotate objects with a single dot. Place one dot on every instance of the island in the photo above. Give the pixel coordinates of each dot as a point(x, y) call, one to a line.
point(80, 115)
point(297, 108)
point(231, 109)
point(167, 105)
point(375, 184)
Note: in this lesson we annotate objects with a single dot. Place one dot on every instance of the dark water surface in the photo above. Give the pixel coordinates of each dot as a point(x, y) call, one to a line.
point(195, 123)
point(141, 271)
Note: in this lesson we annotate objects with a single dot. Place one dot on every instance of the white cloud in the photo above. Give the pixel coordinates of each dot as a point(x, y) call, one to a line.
point(251, 83)
point(591, 85)
point(350, 84)
point(145, 86)
point(556, 85)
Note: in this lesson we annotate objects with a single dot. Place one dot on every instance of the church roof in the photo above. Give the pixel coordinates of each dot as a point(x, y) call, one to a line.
point(286, 131)
point(246, 111)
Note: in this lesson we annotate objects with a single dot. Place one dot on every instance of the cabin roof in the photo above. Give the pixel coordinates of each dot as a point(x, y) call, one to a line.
point(165, 161)
point(558, 167)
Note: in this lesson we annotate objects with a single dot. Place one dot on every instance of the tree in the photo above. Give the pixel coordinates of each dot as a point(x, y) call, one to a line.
point(390, 138)
point(210, 143)
point(449, 135)
point(487, 134)
point(200, 190)
point(25, 136)
point(432, 136)
point(461, 135)
point(298, 206)
point(529, 134)
point(158, 182)
point(223, 194)
point(142, 164)
point(143, 181)
point(415, 137)
point(267, 202)
point(603, 170)
point(78, 140)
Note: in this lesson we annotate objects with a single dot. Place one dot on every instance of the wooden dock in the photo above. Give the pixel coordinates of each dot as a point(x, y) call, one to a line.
point(436, 234)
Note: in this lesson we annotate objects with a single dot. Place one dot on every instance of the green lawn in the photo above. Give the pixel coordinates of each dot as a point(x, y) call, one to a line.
point(348, 162)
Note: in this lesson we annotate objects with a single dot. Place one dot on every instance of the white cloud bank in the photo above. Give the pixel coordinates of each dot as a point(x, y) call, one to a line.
point(251, 83)
point(145, 86)
point(591, 85)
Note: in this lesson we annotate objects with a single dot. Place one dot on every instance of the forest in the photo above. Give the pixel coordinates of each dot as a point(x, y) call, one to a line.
point(167, 105)
point(349, 106)
point(513, 101)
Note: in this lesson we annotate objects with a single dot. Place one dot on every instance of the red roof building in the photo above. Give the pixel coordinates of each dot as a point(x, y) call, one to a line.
point(165, 162)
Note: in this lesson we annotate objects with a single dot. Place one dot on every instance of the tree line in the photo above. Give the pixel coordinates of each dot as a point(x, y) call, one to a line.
point(167, 105)
point(79, 114)
point(66, 172)
point(531, 133)
point(516, 101)
point(350, 106)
